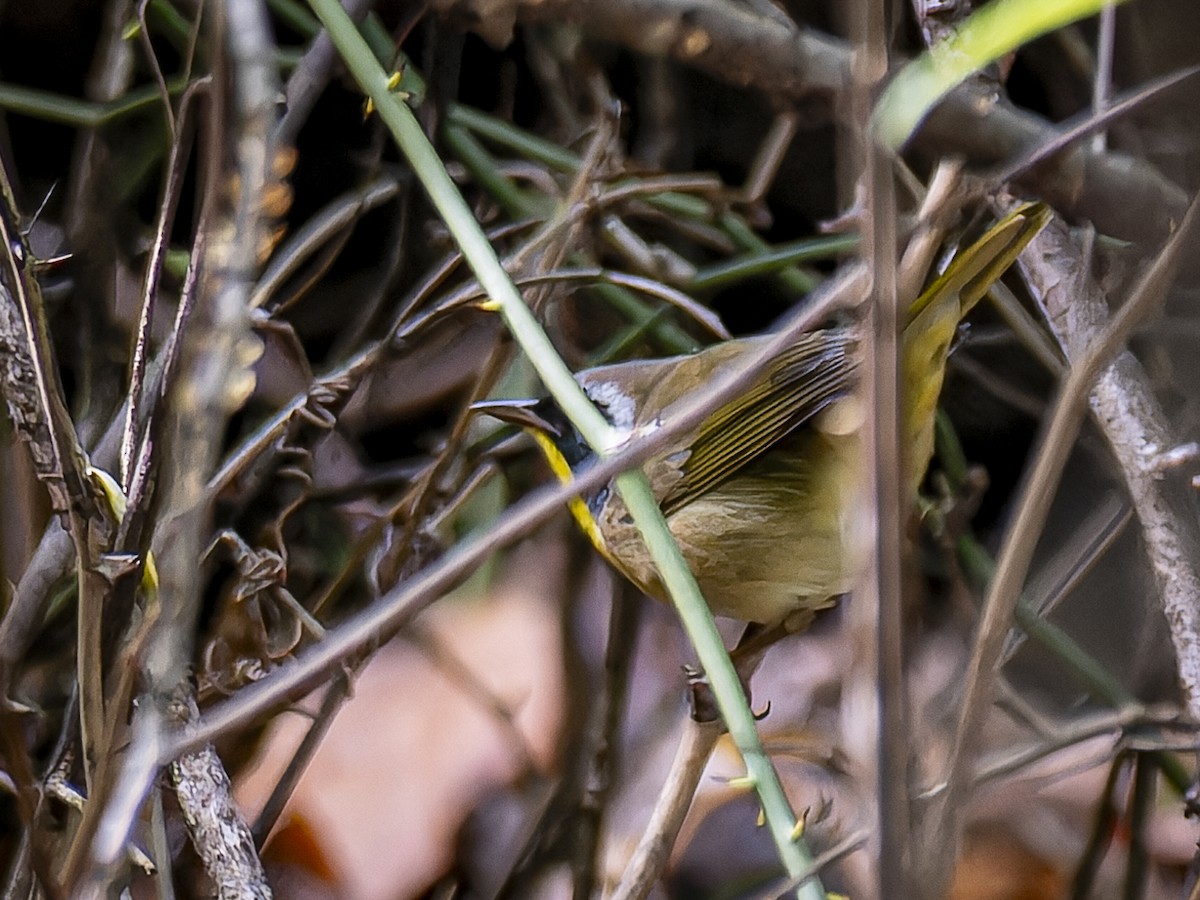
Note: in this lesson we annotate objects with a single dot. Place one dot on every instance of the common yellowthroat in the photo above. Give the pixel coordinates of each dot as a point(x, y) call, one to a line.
point(761, 496)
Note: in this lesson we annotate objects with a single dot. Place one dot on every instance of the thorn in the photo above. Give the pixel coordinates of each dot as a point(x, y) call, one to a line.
point(393, 82)
point(52, 262)
point(801, 825)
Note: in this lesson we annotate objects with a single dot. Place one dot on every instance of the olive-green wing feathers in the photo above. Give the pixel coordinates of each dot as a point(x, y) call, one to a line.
point(821, 367)
point(812, 373)
point(973, 270)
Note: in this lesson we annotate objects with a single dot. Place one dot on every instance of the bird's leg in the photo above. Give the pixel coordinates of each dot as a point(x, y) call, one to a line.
point(746, 656)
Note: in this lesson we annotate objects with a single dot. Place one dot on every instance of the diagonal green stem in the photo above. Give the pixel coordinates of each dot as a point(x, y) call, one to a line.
point(634, 489)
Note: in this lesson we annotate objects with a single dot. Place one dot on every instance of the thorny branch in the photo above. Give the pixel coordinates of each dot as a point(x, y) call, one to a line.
point(36, 407)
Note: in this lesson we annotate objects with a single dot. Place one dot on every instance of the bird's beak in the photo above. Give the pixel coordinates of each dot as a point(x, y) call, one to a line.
point(523, 413)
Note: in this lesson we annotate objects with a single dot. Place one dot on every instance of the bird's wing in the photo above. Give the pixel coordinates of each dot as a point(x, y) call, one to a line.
point(974, 269)
point(934, 318)
point(799, 383)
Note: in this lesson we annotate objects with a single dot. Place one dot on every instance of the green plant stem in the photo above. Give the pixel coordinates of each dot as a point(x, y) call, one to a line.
point(793, 278)
point(174, 26)
point(772, 259)
point(295, 16)
point(64, 110)
point(633, 487)
point(519, 141)
point(516, 202)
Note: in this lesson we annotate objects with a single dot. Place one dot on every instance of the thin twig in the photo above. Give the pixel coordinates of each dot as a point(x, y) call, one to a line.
point(152, 58)
point(645, 867)
point(1103, 829)
point(1090, 122)
point(337, 216)
point(34, 395)
point(1102, 81)
point(1064, 735)
point(1141, 805)
point(181, 145)
point(877, 688)
point(599, 763)
point(281, 792)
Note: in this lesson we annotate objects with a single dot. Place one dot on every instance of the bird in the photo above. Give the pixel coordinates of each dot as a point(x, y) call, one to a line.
point(763, 497)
